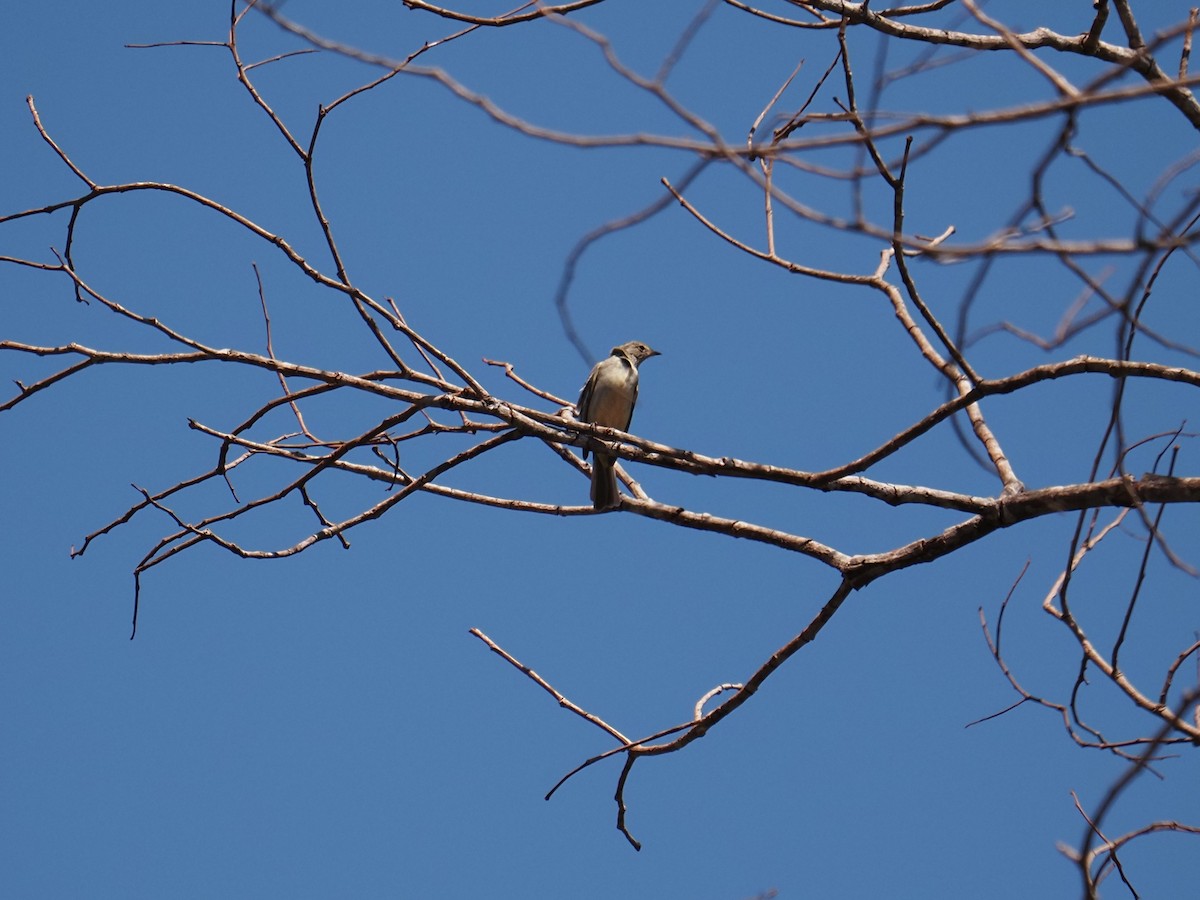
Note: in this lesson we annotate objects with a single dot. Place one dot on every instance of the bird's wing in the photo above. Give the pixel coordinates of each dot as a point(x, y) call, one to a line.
point(585, 397)
point(583, 408)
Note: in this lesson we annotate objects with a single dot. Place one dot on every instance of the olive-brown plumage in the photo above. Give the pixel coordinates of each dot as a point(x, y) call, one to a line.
point(608, 399)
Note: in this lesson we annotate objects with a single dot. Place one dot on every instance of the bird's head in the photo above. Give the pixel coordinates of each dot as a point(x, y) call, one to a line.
point(636, 351)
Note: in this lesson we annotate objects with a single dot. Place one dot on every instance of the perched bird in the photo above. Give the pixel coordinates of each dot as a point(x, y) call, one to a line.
point(607, 399)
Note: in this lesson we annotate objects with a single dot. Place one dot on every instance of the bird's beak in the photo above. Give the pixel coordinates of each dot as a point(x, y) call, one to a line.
point(654, 353)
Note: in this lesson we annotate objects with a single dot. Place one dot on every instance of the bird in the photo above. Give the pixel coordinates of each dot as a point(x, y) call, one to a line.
point(607, 399)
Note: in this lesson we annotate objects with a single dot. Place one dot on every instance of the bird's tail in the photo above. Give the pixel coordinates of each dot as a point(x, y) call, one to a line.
point(604, 482)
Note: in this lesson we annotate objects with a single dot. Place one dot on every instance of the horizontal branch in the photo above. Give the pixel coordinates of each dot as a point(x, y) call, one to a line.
point(1009, 510)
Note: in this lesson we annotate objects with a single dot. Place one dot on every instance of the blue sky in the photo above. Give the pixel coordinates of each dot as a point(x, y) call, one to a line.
point(325, 725)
